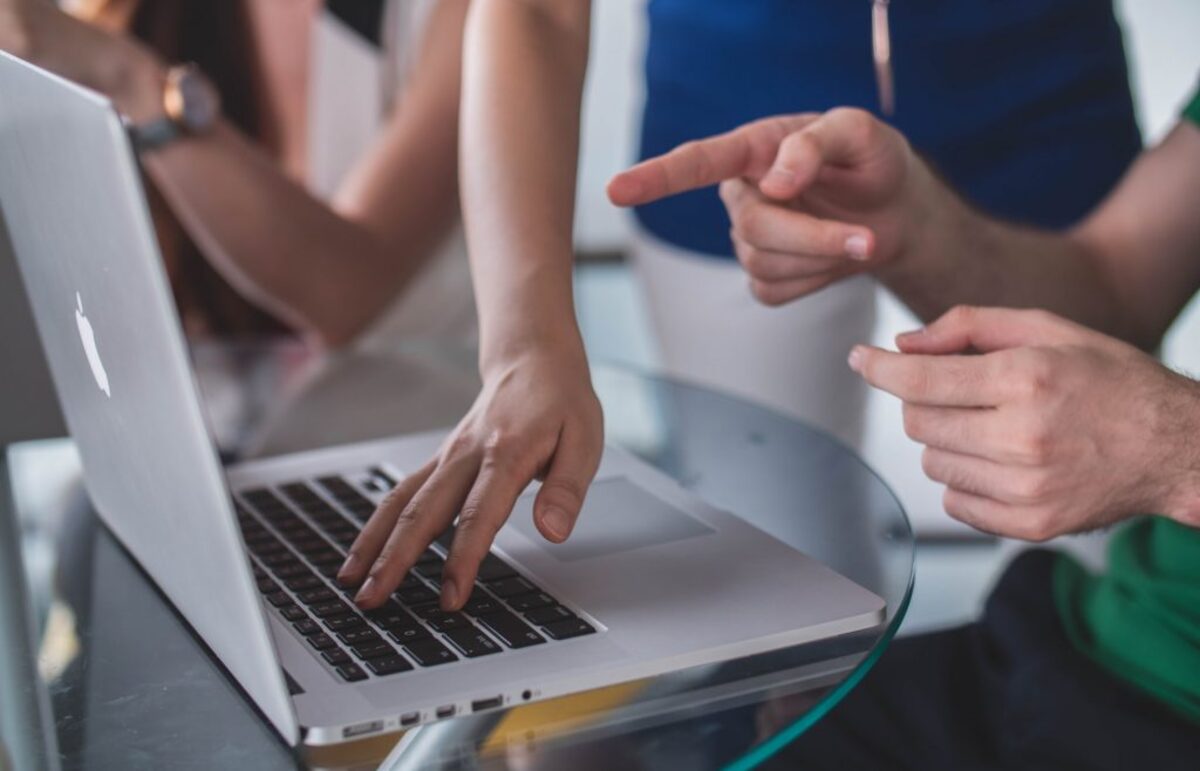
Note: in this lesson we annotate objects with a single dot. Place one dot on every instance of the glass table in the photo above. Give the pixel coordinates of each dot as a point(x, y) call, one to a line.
point(98, 671)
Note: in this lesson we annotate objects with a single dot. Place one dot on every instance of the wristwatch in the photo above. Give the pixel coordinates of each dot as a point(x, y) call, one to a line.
point(191, 107)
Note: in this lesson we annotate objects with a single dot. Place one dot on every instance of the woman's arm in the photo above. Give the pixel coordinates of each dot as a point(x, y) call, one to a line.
point(327, 269)
point(537, 415)
point(330, 269)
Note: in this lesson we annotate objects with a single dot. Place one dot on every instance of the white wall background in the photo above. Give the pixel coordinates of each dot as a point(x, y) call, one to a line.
point(1165, 59)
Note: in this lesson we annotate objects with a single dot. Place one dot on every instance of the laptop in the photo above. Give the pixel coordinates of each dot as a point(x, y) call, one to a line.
point(652, 580)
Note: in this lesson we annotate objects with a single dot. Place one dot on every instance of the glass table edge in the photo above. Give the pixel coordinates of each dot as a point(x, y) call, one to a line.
point(767, 749)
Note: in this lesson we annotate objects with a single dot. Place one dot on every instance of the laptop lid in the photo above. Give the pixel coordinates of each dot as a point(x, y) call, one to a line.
point(81, 231)
point(28, 409)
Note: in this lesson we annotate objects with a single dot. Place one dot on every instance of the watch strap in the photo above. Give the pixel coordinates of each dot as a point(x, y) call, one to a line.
point(154, 134)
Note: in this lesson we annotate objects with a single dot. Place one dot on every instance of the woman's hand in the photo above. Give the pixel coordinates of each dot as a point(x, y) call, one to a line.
point(813, 198)
point(122, 69)
point(1051, 429)
point(537, 417)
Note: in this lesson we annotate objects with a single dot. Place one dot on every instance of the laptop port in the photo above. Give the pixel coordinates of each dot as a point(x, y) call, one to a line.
point(446, 711)
point(409, 719)
point(362, 729)
point(479, 705)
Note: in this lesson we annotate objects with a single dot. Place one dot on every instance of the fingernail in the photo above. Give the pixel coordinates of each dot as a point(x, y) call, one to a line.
point(856, 247)
point(780, 177)
point(364, 594)
point(556, 521)
point(855, 358)
point(449, 594)
point(348, 567)
point(910, 335)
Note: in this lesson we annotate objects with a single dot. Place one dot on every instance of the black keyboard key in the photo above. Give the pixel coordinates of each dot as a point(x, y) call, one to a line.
point(303, 583)
point(445, 622)
point(407, 634)
point(316, 596)
point(548, 615)
point(493, 569)
point(282, 559)
point(416, 595)
point(389, 665)
point(511, 630)
point(279, 599)
point(343, 623)
point(307, 626)
point(391, 616)
point(321, 641)
point(383, 476)
point(471, 642)
point(431, 569)
point(336, 656)
point(527, 602)
point(293, 613)
point(330, 569)
point(429, 652)
point(568, 628)
point(481, 604)
point(511, 587)
point(330, 609)
point(427, 611)
point(291, 571)
point(360, 636)
point(329, 555)
point(351, 673)
point(373, 650)
point(267, 586)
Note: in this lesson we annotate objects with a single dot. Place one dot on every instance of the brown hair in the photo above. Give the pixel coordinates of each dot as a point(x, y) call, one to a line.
point(216, 35)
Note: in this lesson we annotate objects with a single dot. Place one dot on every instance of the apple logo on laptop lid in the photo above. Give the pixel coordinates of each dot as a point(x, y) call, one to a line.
point(88, 337)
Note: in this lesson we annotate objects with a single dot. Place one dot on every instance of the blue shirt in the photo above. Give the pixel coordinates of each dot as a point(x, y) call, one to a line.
point(1023, 105)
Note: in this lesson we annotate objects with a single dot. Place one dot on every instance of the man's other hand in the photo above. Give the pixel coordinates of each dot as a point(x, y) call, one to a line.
point(1039, 427)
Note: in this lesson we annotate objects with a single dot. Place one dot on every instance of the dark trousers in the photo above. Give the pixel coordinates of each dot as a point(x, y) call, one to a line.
point(1007, 692)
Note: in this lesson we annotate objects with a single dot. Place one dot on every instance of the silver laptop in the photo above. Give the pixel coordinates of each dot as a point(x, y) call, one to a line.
point(652, 580)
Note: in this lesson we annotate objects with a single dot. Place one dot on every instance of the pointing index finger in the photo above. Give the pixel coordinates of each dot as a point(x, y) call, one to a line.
point(748, 151)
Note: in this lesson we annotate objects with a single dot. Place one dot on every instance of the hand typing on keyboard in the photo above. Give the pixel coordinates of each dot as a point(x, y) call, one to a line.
point(535, 418)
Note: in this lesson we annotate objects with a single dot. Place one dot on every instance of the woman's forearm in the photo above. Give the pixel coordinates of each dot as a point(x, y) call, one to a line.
point(523, 80)
point(274, 242)
point(330, 269)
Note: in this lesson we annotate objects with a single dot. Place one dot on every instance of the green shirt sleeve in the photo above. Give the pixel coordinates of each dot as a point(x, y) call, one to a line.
point(1192, 111)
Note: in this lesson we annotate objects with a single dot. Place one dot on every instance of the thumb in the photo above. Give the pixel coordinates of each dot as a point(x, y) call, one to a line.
point(842, 137)
point(560, 498)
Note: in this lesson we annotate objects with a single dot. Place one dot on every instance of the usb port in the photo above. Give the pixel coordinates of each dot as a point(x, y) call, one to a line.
point(411, 718)
point(446, 711)
point(479, 705)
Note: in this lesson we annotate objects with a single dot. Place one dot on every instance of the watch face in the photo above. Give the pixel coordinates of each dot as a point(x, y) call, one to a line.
point(191, 100)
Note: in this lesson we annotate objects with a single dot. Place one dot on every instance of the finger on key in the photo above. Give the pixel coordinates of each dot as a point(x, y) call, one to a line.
point(425, 517)
point(369, 543)
point(485, 512)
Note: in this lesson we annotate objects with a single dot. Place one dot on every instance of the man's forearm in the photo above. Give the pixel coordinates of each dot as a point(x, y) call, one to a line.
point(957, 255)
point(523, 81)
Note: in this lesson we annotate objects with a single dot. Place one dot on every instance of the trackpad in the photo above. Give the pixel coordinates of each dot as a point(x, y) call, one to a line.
point(617, 516)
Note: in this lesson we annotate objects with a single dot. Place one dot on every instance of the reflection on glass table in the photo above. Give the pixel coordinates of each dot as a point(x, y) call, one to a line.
point(129, 686)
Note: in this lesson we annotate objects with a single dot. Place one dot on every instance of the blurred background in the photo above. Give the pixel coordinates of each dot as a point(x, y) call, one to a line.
point(1165, 65)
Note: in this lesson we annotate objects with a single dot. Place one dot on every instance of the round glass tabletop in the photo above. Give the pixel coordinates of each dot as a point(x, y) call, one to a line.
point(116, 680)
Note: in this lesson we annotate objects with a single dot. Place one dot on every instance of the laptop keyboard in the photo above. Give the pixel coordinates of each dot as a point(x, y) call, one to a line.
point(298, 534)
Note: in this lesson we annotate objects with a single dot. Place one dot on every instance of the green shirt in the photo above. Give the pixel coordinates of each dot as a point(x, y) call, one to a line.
point(1141, 619)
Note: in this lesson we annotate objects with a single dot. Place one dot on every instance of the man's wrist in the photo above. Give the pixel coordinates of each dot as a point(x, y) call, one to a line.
point(1182, 485)
point(933, 218)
